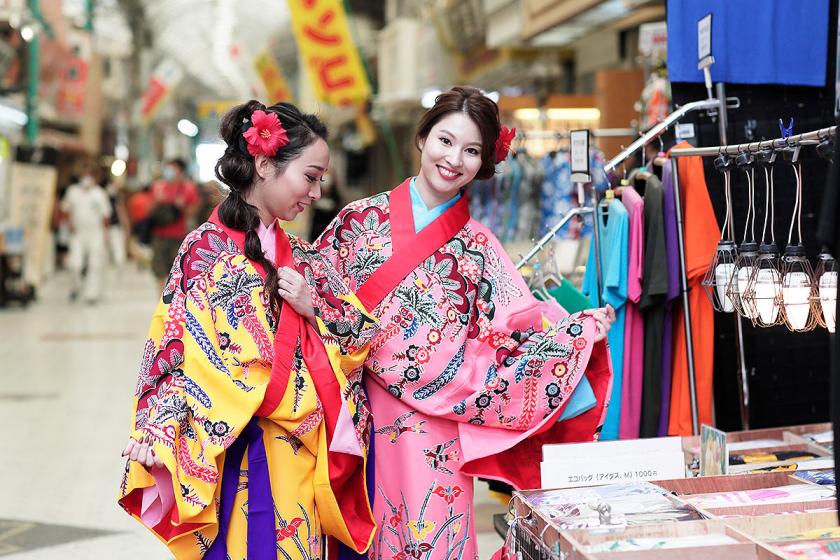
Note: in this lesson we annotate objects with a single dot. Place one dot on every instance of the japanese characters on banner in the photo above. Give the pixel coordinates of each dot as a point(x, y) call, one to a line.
point(276, 88)
point(73, 81)
point(164, 79)
point(328, 52)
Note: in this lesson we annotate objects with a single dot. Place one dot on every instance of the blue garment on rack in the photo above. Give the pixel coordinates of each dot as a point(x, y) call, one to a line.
point(424, 216)
point(614, 249)
point(753, 41)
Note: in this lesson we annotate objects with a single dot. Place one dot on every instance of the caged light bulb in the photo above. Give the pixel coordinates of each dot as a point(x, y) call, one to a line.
point(744, 274)
point(827, 289)
point(738, 287)
point(828, 299)
point(768, 285)
point(796, 293)
point(797, 289)
point(765, 287)
point(723, 275)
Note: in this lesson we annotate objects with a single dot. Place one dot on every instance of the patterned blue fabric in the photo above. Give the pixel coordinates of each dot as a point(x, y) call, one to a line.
point(559, 195)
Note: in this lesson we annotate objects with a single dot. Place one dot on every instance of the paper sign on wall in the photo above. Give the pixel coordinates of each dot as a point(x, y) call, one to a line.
point(597, 463)
point(704, 42)
point(580, 156)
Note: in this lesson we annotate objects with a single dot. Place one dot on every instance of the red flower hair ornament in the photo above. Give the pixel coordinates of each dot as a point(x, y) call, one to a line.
point(506, 136)
point(266, 134)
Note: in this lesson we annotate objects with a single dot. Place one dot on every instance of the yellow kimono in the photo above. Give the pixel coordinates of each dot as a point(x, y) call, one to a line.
point(260, 423)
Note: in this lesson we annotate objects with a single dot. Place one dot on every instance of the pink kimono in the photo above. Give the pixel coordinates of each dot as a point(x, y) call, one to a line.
point(467, 376)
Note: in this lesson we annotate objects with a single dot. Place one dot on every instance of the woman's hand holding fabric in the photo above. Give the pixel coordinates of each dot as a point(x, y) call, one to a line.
point(295, 291)
point(142, 452)
point(604, 318)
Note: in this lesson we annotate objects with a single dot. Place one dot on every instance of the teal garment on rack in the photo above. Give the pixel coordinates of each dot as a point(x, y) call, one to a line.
point(614, 247)
point(424, 216)
point(570, 298)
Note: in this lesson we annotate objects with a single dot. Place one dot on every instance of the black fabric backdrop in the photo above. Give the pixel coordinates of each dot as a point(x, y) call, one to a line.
point(788, 372)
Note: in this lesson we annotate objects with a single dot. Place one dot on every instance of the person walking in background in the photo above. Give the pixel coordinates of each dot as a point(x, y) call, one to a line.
point(175, 200)
point(118, 223)
point(88, 211)
point(211, 195)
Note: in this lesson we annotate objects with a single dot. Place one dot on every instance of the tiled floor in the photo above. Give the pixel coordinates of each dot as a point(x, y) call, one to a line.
point(65, 385)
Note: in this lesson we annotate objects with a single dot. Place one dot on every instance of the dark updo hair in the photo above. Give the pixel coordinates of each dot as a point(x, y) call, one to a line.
point(237, 169)
point(481, 109)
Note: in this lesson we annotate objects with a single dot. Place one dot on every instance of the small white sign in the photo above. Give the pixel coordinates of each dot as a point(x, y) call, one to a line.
point(580, 155)
point(598, 463)
point(704, 41)
point(685, 131)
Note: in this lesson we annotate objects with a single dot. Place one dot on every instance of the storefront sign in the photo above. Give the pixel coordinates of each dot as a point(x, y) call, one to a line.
point(164, 79)
point(328, 52)
point(653, 39)
point(608, 462)
point(276, 88)
point(31, 197)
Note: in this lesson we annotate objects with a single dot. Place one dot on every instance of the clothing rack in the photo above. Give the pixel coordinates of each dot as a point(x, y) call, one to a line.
point(597, 132)
point(804, 139)
point(716, 106)
point(645, 139)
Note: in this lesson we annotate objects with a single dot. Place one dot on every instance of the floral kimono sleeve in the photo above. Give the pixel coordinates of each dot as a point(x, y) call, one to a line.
point(523, 364)
point(213, 359)
point(345, 326)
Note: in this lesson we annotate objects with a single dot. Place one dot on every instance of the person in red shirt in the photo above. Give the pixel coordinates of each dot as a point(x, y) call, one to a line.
point(175, 200)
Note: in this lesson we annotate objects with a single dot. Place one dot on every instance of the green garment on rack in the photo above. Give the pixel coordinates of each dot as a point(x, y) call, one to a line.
point(570, 298)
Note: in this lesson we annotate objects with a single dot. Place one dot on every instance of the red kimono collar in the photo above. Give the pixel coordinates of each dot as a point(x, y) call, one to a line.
point(283, 248)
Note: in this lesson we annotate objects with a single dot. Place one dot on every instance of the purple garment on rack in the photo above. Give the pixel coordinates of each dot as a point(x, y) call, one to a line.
point(673, 259)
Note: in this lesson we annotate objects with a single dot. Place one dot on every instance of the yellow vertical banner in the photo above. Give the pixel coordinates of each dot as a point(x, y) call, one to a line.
point(276, 88)
point(328, 52)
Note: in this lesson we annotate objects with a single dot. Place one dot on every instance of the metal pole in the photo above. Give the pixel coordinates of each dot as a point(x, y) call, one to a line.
point(596, 240)
point(812, 137)
point(689, 348)
point(743, 386)
point(659, 129)
point(34, 66)
point(723, 121)
point(548, 236)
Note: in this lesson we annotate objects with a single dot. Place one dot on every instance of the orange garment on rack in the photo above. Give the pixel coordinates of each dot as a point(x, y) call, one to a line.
point(701, 235)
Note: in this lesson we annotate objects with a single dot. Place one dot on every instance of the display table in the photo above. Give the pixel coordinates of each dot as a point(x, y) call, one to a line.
point(760, 515)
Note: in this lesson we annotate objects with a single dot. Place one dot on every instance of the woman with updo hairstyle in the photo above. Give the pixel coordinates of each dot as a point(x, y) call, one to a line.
point(247, 436)
point(470, 374)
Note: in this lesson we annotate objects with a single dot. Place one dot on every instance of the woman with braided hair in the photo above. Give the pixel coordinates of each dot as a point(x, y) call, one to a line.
point(248, 436)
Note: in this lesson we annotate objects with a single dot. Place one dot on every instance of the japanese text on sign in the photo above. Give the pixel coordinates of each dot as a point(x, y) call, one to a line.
point(580, 155)
point(328, 52)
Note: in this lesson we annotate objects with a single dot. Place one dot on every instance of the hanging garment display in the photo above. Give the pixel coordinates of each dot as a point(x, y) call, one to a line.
point(701, 238)
point(634, 334)
point(613, 223)
point(652, 305)
point(673, 264)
